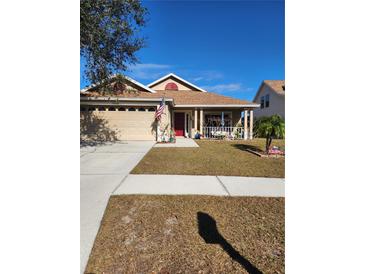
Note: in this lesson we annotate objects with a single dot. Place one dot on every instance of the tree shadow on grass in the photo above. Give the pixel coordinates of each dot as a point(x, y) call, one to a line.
point(244, 147)
point(209, 232)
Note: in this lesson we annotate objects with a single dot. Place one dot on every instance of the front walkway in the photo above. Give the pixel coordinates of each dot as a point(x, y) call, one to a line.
point(180, 142)
point(201, 185)
point(103, 168)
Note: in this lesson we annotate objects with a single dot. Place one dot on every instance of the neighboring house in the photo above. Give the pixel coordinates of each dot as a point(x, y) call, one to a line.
point(129, 114)
point(271, 98)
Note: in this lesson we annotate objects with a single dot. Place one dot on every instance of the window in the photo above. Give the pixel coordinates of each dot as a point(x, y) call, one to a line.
point(132, 109)
point(112, 109)
point(141, 109)
point(91, 109)
point(267, 100)
point(121, 109)
point(215, 120)
point(262, 102)
point(151, 109)
point(82, 108)
point(101, 108)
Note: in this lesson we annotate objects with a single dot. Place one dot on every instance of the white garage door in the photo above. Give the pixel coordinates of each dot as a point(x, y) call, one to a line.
point(126, 125)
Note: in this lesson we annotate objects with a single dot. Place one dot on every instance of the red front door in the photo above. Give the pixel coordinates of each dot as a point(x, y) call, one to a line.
point(179, 123)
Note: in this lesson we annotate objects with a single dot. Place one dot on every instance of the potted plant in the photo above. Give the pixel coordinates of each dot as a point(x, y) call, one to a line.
point(172, 136)
point(164, 135)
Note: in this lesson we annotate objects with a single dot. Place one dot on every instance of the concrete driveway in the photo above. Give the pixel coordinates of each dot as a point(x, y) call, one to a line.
point(103, 169)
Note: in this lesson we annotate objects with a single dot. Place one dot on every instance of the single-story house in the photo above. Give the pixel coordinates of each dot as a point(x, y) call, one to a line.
point(271, 98)
point(129, 112)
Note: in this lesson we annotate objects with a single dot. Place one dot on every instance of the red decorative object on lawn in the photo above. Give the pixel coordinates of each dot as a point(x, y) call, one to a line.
point(275, 151)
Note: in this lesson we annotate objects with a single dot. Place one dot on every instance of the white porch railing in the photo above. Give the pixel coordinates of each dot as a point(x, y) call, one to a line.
point(223, 132)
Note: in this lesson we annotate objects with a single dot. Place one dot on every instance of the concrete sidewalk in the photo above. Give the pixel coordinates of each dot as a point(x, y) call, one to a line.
point(201, 185)
point(180, 142)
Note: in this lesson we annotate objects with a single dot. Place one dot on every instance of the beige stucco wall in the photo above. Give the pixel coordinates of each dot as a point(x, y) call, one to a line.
point(165, 121)
point(277, 103)
point(117, 125)
point(161, 86)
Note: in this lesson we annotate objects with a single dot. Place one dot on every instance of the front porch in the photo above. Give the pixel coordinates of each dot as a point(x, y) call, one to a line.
point(213, 123)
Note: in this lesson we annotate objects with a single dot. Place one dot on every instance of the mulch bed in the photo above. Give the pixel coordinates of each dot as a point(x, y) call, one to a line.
point(261, 153)
point(190, 234)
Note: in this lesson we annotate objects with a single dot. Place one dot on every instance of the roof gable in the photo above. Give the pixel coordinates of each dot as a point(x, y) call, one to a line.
point(129, 83)
point(276, 85)
point(172, 79)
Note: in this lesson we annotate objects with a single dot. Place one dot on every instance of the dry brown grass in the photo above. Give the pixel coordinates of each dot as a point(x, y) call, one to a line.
point(190, 234)
point(228, 158)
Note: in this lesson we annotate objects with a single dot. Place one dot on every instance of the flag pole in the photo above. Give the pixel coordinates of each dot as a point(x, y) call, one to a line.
point(158, 126)
point(158, 115)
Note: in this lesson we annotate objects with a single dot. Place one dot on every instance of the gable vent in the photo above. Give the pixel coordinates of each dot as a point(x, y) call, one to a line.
point(171, 86)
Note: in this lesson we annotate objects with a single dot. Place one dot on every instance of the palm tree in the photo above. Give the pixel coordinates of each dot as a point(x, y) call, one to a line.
point(269, 128)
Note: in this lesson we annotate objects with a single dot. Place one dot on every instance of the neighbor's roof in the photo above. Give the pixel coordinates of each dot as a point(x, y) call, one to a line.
point(276, 85)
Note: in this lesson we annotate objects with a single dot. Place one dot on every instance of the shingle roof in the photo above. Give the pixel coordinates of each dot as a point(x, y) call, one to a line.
point(277, 85)
point(180, 97)
point(184, 97)
point(201, 98)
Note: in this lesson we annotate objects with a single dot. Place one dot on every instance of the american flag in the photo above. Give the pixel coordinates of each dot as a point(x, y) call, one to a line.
point(160, 109)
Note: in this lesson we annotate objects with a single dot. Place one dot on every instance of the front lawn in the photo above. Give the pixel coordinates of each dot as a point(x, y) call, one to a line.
point(190, 234)
point(227, 158)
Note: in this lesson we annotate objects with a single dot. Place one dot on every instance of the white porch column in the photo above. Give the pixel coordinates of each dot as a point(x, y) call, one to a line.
point(201, 121)
point(245, 125)
point(251, 124)
point(195, 121)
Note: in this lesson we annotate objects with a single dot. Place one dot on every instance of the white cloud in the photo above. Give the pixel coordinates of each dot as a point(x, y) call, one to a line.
point(197, 79)
point(227, 88)
point(148, 71)
point(205, 75)
point(149, 66)
point(223, 87)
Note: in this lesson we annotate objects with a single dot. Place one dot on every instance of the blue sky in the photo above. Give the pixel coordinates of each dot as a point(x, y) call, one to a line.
point(227, 47)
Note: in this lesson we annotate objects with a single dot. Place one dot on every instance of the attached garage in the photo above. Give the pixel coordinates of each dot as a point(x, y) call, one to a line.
point(118, 123)
point(126, 113)
point(113, 118)
point(131, 125)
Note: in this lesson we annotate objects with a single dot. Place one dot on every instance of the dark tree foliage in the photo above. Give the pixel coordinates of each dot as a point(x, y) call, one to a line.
point(269, 128)
point(109, 36)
